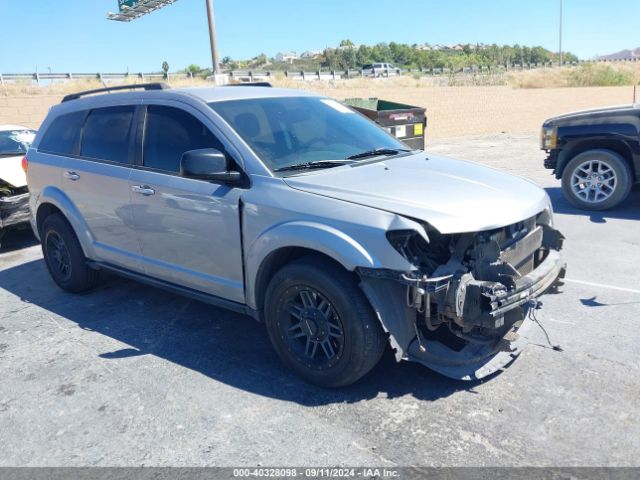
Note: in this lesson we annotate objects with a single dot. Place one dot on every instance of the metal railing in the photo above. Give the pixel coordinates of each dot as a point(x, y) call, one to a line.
point(262, 75)
point(40, 77)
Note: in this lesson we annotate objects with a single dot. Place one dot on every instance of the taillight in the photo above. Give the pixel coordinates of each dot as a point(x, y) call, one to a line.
point(25, 164)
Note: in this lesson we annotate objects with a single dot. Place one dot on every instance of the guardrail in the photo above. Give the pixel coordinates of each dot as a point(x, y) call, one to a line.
point(265, 75)
point(262, 75)
point(39, 77)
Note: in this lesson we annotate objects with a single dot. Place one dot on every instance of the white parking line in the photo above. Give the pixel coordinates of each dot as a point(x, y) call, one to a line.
point(553, 320)
point(600, 285)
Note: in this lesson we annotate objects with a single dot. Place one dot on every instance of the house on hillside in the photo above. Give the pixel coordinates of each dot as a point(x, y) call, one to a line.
point(348, 47)
point(310, 54)
point(286, 57)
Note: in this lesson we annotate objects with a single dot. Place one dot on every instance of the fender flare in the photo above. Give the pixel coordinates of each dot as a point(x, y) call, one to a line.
point(573, 149)
point(304, 234)
point(59, 199)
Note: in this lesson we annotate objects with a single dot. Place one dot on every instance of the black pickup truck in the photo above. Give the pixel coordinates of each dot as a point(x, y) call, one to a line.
point(596, 153)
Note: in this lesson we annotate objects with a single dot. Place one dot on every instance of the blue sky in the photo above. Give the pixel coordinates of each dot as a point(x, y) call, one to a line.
point(74, 35)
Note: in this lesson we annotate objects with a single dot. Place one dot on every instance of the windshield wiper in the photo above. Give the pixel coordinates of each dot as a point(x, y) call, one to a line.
point(311, 165)
point(377, 152)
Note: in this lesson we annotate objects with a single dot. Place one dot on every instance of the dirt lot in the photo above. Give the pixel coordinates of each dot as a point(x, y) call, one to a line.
point(130, 375)
point(478, 110)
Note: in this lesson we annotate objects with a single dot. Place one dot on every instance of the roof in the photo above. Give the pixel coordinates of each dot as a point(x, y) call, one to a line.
point(219, 94)
point(6, 128)
point(202, 94)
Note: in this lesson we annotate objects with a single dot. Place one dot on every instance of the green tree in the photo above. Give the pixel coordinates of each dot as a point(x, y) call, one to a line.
point(194, 69)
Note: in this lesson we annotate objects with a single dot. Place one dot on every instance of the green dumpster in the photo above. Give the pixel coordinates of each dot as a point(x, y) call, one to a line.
point(405, 122)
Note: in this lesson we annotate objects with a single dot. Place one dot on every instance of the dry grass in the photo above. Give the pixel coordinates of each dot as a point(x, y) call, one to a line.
point(452, 111)
point(585, 75)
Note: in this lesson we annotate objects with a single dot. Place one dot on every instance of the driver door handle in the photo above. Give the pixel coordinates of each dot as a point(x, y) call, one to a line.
point(73, 176)
point(143, 190)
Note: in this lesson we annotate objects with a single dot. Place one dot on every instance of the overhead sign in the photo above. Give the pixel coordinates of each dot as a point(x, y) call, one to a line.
point(123, 5)
point(132, 9)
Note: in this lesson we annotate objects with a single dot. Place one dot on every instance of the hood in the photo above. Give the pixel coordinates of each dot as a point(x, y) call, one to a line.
point(584, 116)
point(11, 171)
point(451, 195)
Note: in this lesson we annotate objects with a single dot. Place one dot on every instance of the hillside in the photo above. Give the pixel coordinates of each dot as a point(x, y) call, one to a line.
point(623, 55)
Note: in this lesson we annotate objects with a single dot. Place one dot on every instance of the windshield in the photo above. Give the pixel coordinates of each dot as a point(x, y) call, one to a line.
point(298, 130)
point(15, 142)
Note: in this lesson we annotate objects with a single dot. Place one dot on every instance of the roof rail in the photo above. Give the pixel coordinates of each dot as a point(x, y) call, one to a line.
point(135, 86)
point(250, 84)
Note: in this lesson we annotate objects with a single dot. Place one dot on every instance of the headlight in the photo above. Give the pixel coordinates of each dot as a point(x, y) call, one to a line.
point(549, 138)
point(427, 256)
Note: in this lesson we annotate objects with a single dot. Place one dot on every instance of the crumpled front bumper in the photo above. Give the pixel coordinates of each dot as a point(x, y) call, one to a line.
point(475, 361)
point(14, 210)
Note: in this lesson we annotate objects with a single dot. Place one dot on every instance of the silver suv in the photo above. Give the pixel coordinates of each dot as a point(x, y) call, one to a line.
point(300, 212)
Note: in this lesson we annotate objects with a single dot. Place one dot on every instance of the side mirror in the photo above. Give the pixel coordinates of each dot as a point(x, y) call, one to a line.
point(208, 164)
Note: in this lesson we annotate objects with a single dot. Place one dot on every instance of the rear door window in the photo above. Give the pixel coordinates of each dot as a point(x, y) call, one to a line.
point(63, 134)
point(169, 132)
point(107, 133)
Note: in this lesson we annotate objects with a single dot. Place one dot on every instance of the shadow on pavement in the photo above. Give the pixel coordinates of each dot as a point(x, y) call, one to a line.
point(593, 302)
point(17, 240)
point(628, 210)
point(225, 346)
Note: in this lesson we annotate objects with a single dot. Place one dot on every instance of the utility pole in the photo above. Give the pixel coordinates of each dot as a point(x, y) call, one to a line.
point(560, 50)
point(212, 38)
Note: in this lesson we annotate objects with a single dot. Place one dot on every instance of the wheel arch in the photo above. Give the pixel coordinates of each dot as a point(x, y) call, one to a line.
point(53, 200)
point(616, 146)
point(287, 242)
point(275, 261)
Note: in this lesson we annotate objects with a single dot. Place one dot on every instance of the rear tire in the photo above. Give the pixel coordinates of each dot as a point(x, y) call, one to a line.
point(320, 323)
point(596, 180)
point(64, 257)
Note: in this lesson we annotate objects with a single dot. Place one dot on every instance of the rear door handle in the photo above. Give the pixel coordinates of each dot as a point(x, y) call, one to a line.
point(73, 176)
point(143, 190)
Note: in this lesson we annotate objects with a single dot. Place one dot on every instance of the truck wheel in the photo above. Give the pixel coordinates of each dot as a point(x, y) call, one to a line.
point(596, 180)
point(63, 256)
point(320, 323)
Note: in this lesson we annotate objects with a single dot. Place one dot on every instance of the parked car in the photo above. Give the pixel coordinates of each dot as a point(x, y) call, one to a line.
point(380, 70)
point(302, 213)
point(596, 153)
point(14, 197)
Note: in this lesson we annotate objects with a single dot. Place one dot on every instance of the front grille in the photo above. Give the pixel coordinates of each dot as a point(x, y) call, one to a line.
point(520, 255)
point(518, 243)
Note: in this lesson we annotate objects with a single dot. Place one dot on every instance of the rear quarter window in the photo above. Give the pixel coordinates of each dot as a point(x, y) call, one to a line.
point(63, 134)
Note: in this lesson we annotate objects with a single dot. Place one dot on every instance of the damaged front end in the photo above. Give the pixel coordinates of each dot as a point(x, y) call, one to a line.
point(14, 206)
point(463, 311)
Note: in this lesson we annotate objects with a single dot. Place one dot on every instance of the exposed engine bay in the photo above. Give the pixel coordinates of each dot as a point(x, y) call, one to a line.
point(468, 290)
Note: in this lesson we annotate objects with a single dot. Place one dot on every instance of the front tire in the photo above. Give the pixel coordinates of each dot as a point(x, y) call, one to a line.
point(64, 257)
point(596, 180)
point(320, 323)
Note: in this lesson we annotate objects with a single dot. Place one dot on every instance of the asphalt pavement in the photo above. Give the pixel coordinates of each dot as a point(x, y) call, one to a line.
point(130, 375)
